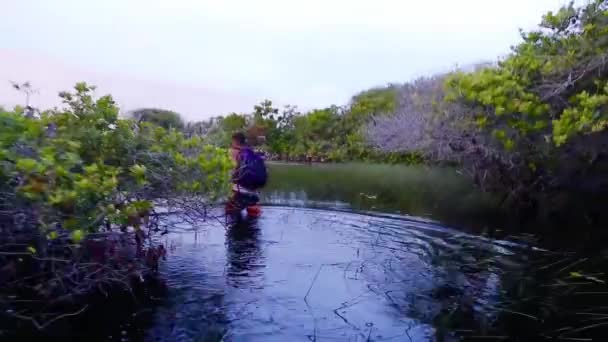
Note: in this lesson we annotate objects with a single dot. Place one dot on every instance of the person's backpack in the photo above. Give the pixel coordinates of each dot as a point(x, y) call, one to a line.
point(251, 173)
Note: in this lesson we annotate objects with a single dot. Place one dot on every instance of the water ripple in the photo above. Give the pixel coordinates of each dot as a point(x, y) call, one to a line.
point(301, 275)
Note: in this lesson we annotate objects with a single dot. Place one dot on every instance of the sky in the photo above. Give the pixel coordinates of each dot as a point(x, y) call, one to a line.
point(203, 58)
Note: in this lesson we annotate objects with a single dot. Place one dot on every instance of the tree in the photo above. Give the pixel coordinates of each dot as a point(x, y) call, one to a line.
point(546, 103)
point(161, 117)
point(362, 108)
point(426, 124)
point(281, 138)
point(79, 187)
point(264, 111)
point(229, 125)
point(234, 123)
point(264, 121)
point(370, 103)
point(27, 89)
point(530, 125)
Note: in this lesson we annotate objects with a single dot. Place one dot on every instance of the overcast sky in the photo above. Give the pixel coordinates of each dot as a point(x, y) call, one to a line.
point(204, 58)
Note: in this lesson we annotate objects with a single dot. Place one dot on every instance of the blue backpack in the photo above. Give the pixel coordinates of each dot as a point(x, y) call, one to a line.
point(251, 173)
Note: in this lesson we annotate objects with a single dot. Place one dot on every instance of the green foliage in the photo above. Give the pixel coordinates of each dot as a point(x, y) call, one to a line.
point(163, 118)
point(331, 134)
point(233, 123)
point(83, 166)
point(552, 83)
point(542, 111)
point(376, 101)
point(586, 115)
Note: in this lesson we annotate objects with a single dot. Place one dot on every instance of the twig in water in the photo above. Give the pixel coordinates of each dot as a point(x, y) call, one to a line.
point(571, 265)
point(312, 284)
point(558, 330)
point(47, 323)
point(568, 284)
point(588, 327)
point(520, 314)
point(387, 294)
point(370, 325)
point(407, 332)
point(488, 337)
point(314, 320)
point(592, 314)
point(348, 304)
point(591, 293)
point(596, 319)
point(342, 317)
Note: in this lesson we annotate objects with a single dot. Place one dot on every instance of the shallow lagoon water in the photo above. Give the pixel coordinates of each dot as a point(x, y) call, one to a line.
point(372, 253)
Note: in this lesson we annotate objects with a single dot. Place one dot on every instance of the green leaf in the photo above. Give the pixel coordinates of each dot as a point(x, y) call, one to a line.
point(26, 165)
point(137, 170)
point(579, 275)
point(499, 134)
point(77, 235)
point(576, 275)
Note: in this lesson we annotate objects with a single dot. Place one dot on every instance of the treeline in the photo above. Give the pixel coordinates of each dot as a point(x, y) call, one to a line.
point(530, 126)
point(332, 134)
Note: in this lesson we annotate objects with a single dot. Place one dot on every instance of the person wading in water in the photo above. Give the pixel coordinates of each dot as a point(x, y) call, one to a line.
point(248, 177)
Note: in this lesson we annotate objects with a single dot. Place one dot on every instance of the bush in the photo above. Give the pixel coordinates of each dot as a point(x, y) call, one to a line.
point(73, 174)
point(530, 126)
point(545, 105)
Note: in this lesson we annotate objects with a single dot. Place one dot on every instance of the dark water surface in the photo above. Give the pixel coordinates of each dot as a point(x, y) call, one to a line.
point(369, 253)
point(300, 274)
point(434, 193)
point(357, 253)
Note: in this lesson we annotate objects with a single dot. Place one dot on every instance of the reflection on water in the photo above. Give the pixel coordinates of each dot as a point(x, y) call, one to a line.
point(437, 193)
point(342, 273)
point(245, 264)
point(301, 275)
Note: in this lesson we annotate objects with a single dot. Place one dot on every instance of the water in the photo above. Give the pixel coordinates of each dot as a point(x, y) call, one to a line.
point(434, 193)
point(301, 274)
point(358, 253)
point(365, 253)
